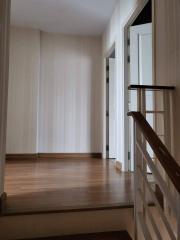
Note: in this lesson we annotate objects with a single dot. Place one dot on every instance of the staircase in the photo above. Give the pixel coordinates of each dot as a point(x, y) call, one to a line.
point(122, 235)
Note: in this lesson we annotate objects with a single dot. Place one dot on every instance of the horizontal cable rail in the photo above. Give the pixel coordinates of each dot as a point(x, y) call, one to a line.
point(168, 163)
point(150, 87)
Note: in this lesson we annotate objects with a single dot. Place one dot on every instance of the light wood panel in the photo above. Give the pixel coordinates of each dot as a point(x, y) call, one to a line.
point(70, 108)
point(167, 40)
point(23, 91)
point(70, 184)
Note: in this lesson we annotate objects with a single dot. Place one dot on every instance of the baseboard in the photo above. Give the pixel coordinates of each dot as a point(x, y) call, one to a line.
point(24, 156)
point(69, 155)
point(35, 156)
point(2, 201)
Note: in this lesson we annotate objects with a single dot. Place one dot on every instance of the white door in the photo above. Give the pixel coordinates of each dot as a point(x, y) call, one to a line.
point(140, 70)
point(112, 109)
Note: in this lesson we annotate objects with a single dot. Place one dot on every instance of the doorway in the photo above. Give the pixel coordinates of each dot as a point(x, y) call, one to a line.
point(111, 123)
point(139, 67)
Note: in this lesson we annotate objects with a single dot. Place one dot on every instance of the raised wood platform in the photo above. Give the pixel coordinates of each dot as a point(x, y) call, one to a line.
point(122, 235)
point(58, 185)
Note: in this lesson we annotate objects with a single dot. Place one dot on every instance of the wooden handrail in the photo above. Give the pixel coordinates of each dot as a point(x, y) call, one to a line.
point(169, 164)
point(150, 87)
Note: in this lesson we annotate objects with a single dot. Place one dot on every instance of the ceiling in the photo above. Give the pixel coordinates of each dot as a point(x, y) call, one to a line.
point(82, 17)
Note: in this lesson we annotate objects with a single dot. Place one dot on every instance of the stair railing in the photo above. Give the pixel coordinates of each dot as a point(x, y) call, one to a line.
point(158, 102)
point(152, 221)
point(156, 105)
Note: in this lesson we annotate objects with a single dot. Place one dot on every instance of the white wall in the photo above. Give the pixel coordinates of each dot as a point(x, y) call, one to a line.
point(70, 94)
point(23, 91)
point(114, 34)
point(55, 93)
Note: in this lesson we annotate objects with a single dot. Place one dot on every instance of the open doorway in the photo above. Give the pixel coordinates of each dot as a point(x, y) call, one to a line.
point(111, 143)
point(139, 65)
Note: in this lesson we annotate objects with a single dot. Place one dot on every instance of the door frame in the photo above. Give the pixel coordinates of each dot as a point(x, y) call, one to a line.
point(106, 56)
point(139, 7)
point(111, 113)
point(4, 75)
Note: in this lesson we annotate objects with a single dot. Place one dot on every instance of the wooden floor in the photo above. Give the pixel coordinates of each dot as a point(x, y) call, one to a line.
point(62, 184)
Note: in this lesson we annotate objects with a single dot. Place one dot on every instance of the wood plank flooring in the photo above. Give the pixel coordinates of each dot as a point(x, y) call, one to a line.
point(65, 184)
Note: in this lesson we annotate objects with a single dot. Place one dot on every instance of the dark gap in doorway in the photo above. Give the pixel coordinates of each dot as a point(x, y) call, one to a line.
point(145, 16)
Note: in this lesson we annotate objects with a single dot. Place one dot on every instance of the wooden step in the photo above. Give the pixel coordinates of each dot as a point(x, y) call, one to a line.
point(43, 226)
point(119, 235)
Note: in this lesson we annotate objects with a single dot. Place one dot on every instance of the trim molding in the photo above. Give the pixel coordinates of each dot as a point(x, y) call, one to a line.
point(69, 155)
point(35, 156)
point(23, 156)
point(128, 22)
